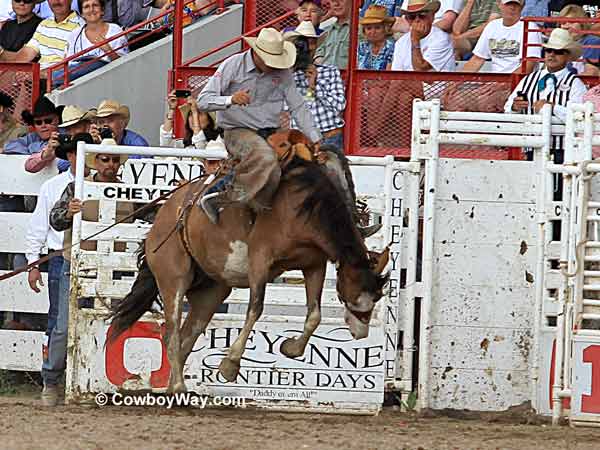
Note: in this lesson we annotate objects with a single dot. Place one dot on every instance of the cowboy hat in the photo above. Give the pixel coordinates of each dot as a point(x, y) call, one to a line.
point(71, 144)
point(43, 107)
point(561, 39)
point(304, 29)
point(376, 14)
point(90, 158)
point(110, 107)
point(72, 115)
point(217, 150)
point(186, 109)
point(273, 49)
point(417, 6)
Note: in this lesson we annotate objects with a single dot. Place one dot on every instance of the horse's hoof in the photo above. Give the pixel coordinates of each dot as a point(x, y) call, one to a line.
point(292, 348)
point(229, 369)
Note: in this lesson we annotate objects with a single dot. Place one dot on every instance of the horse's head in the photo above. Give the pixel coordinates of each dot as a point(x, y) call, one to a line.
point(359, 289)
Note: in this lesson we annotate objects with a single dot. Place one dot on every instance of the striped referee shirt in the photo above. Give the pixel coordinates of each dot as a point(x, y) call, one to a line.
point(51, 37)
point(568, 89)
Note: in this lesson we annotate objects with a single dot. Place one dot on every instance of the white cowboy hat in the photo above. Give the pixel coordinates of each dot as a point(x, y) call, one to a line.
point(90, 158)
point(109, 107)
point(561, 39)
point(273, 49)
point(417, 6)
point(217, 150)
point(304, 29)
point(72, 115)
point(376, 14)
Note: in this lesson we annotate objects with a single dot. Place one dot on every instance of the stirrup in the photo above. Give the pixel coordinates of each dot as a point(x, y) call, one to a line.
point(370, 230)
point(210, 209)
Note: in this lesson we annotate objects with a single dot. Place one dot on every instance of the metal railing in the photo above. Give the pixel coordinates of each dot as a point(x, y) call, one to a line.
point(22, 82)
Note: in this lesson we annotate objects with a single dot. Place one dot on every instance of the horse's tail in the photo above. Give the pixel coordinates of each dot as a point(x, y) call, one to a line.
point(140, 299)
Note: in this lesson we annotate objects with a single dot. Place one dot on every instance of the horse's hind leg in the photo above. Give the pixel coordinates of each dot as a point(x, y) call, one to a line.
point(204, 303)
point(314, 279)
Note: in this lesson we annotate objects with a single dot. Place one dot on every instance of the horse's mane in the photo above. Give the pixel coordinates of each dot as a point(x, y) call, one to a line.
point(326, 203)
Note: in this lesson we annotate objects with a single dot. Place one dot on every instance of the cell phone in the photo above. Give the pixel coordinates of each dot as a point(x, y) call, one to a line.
point(182, 93)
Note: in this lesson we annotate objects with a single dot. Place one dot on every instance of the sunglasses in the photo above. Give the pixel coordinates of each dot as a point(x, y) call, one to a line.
point(107, 159)
point(27, 2)
point(47, 121)
point(556, 51)
point(411, 17)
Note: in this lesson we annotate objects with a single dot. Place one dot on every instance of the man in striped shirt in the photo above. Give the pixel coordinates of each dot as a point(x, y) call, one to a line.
point(50, 39)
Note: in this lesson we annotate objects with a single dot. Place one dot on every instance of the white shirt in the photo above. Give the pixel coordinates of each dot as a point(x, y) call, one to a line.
point(167, 140)
point(39, 231)
point(578, 90)
point(78, 42)
point(436, 49)
point(504, 45)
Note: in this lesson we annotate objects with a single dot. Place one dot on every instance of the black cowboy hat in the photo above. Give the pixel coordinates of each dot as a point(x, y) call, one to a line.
point(6, 100)
point(68, 144)
point(43, 107)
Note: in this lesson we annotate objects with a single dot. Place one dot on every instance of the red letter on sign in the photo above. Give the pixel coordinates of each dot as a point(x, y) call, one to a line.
point(116, 372)
point(591, 403)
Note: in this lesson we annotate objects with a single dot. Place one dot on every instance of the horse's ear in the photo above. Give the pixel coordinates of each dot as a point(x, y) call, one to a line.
point(380, 260)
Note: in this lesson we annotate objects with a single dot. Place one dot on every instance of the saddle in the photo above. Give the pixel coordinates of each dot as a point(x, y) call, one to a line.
point(290, 143)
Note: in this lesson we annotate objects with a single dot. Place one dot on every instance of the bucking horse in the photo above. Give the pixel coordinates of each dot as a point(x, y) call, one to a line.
point(186, 255)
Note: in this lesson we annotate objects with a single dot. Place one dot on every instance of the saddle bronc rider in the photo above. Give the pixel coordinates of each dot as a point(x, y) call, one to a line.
point(249, 91)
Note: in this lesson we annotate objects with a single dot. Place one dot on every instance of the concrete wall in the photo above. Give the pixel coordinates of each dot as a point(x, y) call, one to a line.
point(139, 80)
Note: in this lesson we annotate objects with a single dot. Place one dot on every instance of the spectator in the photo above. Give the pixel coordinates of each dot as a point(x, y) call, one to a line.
point(309, 10)
point(17, 32)
point(536, 8)
point(444, 17)
point(40, 234)
point(591, 56)
point(321, 86)
point(93, 32)
point(73, 121)
point(377, 51)
point(591, 7)
point(553, 84)
point(49, 41)
point(9, 128)
point(425, 47)
point(115, 116)
point(200, 127)
point(502, 42)
point(191, 12)
point(127, 13)
point(44, 119)
point(43, 9)
point(334, 49)
point(470, 24)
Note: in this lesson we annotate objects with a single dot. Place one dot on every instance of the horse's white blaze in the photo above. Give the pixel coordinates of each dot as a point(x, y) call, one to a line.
point(236, 265)
point(358, 329)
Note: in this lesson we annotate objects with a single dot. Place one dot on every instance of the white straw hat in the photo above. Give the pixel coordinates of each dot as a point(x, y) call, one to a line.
point(90, 158)
point(72, 115)
point(217, 149)
point(273, 49)
point(561, 39)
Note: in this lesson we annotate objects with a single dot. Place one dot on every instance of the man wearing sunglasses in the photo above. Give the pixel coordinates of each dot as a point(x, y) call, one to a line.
point(553, 84)
point(17, 32)
point(44, 119)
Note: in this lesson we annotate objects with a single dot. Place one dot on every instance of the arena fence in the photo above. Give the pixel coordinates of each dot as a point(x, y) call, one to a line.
point(22, 82)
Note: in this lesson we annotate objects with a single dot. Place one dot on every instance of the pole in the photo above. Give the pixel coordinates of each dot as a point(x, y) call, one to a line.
point(352, 84)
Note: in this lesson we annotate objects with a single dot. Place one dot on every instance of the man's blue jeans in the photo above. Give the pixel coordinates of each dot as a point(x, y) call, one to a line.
point(55, 266)
point(54, 366)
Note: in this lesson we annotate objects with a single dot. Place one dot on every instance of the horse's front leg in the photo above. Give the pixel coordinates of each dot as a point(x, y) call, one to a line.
point(314, 279)
point(230, 365)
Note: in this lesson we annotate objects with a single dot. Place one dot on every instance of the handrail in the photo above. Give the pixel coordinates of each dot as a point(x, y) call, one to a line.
point(64, 64)
point(237, 39)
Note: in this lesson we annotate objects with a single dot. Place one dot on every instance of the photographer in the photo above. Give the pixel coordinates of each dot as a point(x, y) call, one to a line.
point(320, 85)
point(115, 116)
point(73, 121)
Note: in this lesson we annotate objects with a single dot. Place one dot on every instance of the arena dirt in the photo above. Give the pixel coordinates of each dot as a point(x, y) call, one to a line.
point(26, 425)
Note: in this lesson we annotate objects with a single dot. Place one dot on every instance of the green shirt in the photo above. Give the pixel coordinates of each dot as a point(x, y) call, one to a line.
point(481, 12)
point(334, 49)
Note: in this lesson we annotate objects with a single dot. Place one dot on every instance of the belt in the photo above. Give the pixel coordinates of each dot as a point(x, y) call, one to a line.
point(332, 133)
point(266, 132)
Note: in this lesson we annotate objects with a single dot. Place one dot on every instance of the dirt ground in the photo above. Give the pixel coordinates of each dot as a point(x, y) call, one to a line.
point(26, 425)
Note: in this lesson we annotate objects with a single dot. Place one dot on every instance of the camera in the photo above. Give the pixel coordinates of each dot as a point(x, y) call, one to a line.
point(106, 133)
point(303, 56)
point(64, 139)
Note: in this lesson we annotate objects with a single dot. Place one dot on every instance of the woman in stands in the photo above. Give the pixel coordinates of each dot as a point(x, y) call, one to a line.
point(377, 51)
point(200, 127)
point(89, 36)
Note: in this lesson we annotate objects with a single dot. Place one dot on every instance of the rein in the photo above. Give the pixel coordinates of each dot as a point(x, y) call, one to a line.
point(135, 212)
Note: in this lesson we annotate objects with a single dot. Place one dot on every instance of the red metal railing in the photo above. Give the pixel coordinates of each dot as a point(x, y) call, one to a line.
point(159, 24)
point(22, 82)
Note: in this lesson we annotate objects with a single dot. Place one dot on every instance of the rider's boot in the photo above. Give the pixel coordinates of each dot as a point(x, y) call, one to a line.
point(211, 205)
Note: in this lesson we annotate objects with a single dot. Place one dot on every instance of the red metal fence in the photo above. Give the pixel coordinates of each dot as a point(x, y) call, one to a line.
point(22, 82)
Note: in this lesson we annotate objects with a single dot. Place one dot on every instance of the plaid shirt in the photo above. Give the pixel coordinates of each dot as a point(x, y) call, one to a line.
point(329, 101)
